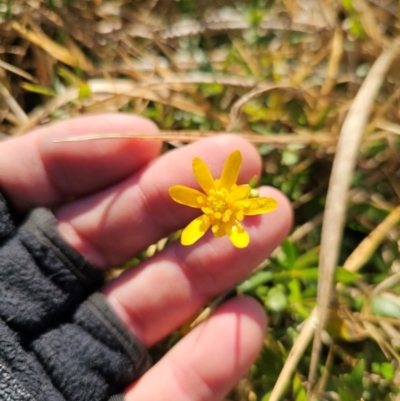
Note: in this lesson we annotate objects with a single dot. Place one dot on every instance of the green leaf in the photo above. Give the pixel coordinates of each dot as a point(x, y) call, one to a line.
point(344, 276)
point(347, 4)
point(382, 306)
point(299, 392)
point(67, 75)
point(254, 281)
point(262, 291)
point(352, 387)
point(294, 291)
point(341, 275)
point(289, 253)
point(277, 300)
point(299, 309)
point(42, 90)
point(385, 369)
point(308, 259)
point(289, 158)
point(306, 274)
point(211, 89)
point(356, 27)
point(253, 182)
point(84, 90)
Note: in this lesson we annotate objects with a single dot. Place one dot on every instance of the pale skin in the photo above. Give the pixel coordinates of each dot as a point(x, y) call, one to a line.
point(111, 200)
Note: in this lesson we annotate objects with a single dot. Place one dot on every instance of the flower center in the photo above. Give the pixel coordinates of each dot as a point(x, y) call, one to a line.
point(219, 205)
point(218, 208)
point(220, 211)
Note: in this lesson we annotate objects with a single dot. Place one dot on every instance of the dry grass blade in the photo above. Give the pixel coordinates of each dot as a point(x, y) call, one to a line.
point(389, 282)
point(54, 49)
point(385, 346)
point(41, 113)
point(334, 62)
point(235, 111)
point(306, 228)
point(369, 22)
point(197, 78)
point(12, 104)
point(390, 127)
point(17, 71)
point(129, 88)
point(349, 140)
point(192, 136)
point(367, 247)
point(234, 23)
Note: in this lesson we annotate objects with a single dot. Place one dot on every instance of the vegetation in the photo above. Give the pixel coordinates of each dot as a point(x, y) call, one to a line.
point(315, 85)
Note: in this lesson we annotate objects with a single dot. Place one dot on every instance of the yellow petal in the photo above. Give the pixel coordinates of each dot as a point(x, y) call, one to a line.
point(242, 192)
point(203, 175)
point(231, 169)
point(255, 206)
point(187, 196)
point(194, 231)
point(238, 236)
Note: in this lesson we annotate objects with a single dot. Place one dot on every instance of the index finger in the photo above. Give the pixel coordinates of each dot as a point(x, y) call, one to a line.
point(36, 171)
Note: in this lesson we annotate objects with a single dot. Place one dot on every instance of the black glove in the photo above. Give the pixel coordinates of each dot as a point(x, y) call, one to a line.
point(58, 338)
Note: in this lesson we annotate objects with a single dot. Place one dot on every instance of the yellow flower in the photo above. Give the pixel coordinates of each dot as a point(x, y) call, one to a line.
point(223, 203)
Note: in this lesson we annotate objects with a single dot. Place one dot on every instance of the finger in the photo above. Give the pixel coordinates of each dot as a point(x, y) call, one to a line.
point(210, 360)
point(47, 173)
point(113, 225)
point(166, 290)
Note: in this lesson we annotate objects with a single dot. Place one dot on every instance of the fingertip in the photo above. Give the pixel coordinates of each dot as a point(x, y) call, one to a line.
point(284, 211)
point(211, 359)
point(214, 151)
point(251, 160)
point(231, 340)
point(250, 308)
point(247, 312)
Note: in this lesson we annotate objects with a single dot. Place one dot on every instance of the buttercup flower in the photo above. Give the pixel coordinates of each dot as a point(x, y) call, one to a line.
point(223, 203)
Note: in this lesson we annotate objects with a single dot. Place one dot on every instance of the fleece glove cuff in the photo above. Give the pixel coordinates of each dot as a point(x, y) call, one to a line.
point(59, 340)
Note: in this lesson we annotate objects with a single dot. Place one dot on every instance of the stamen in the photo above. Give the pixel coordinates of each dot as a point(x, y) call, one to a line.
point(227, 215)
point(206, 220)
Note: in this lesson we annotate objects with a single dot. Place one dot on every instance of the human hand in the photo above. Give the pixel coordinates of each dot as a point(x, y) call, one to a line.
point(111, 200)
